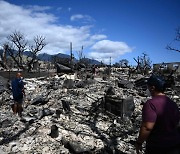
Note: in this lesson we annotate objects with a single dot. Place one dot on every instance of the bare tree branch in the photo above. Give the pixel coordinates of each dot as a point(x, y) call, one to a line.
point(80, 54)
point(170, 48)
point(177, 38)
point(123, 62)
point(35, 49)
point(19, 46)
point(17, 38)
point(143, 63)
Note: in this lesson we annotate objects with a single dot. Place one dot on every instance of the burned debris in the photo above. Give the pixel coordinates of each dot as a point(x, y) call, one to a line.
point(71, 113)
point(63, 69)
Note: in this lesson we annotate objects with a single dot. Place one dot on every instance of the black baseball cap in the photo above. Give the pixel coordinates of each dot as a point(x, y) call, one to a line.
point(157, 81)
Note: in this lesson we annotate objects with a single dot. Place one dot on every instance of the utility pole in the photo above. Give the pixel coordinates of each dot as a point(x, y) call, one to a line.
point(71, 54)
point(110, 62)
point(71, 51)
point(109, 68)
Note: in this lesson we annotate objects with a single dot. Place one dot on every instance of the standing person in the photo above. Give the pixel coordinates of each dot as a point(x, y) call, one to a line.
point(18, 93)
point(160, 118)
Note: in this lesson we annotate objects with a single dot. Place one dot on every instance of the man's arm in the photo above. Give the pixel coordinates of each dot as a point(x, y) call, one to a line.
point(21, 85)
point(145, 130)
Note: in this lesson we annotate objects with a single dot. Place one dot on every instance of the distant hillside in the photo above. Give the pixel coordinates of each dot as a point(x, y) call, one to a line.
point(1, 51)
point(45, 57)
point(92, 61)
point(48, 57)
point(63, 55)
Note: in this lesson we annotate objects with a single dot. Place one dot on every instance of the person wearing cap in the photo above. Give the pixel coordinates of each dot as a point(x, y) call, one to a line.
point(18, 93)
point(160, 119)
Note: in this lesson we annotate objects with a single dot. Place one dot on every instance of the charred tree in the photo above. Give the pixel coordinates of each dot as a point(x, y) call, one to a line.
point(123, 62)
point(143, 64)
point(18, 47)
point(34, 50)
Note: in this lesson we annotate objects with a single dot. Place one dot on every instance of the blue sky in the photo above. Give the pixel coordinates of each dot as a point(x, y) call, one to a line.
point(120, 29)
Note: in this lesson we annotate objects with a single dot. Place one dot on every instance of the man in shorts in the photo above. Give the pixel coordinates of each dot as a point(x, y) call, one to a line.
point(18, 94)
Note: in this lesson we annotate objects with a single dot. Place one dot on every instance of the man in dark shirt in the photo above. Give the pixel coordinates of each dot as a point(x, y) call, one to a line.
point(18, 93)
point(160, 119)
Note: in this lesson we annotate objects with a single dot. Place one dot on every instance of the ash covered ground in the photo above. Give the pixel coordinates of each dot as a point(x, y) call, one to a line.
point(66, 114)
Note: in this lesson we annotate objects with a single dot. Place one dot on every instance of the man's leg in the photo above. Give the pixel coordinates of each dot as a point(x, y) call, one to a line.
point(14, 108)
point(19, 108)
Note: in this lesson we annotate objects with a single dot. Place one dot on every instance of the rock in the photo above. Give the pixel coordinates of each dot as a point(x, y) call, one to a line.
point(44, 112)
point(80, 84)
point(39, 100)
point(69, 84)
point(28, 119)
point(5, 123)
point(78, 147)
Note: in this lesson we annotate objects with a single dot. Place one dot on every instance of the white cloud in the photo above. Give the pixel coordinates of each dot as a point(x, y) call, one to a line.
point(34, 20)
point(76, 17)
point(80, 17)
point(105, 49)
point(38, 8)
point(98, 37)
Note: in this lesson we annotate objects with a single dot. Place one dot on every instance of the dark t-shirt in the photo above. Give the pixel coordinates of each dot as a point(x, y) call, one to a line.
point(17, 89)
point(165, 113)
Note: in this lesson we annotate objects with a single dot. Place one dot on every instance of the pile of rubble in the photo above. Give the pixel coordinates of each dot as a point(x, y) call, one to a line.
point(63, 114)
